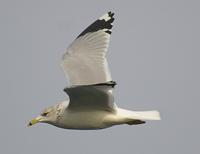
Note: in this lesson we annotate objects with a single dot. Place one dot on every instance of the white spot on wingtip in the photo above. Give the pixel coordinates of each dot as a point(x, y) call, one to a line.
point(105, 17)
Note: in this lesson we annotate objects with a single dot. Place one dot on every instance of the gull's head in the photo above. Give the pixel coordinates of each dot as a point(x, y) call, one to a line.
point(50, 115)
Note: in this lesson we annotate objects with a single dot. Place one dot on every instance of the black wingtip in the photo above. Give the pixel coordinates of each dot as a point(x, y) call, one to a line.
point(110, 83)
point(111, 14)
point(103, 23)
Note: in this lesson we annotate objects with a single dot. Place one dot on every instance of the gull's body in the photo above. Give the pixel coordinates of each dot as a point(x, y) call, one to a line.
point(96, 119)
point(91, 103)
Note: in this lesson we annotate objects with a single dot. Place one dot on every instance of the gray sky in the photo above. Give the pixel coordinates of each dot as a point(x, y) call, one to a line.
point(153, 55)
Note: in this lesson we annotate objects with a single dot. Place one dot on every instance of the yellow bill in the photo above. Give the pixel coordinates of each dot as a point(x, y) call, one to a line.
point(34, 121)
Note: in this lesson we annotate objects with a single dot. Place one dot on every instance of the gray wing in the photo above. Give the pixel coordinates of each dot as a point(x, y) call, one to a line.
point(84, 62)
point(92, 97)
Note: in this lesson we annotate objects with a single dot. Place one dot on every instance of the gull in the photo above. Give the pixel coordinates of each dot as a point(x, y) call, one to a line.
point(91, 103)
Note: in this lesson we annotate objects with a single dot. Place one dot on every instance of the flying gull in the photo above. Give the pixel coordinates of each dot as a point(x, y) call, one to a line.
point(91, 103)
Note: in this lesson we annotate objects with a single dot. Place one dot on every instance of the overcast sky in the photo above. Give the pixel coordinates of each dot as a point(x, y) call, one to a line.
point(153, 55)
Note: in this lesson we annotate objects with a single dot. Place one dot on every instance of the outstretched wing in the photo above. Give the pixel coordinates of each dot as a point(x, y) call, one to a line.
point(91, 97)
point(84, 62)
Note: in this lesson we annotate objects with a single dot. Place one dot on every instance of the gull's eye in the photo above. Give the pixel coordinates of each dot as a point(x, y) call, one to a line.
point(44, 114)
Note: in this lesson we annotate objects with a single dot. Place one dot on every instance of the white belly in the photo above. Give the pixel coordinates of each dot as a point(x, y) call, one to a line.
point(85, 120)
point(95, 119)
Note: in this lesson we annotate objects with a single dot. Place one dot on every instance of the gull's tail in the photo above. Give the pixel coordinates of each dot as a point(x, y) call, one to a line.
point(139, 117)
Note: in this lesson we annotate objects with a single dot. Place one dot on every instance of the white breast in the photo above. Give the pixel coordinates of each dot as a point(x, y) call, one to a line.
point(84, 120)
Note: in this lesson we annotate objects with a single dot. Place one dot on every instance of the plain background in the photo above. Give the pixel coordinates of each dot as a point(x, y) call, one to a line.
point(153, 55)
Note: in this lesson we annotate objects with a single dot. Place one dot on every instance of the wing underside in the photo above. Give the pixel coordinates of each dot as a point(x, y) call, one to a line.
point(91, 97)
point(84, 62)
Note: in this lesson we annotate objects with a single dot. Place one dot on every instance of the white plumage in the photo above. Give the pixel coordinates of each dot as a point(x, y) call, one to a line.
point(84, 62)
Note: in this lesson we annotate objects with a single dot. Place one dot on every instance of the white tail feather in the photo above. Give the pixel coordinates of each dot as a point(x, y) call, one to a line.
point(140, 115)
